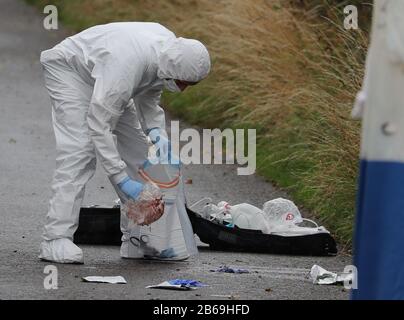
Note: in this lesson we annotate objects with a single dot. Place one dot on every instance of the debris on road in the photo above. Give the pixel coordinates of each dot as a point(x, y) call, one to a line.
point(192, 283)
point(323, 277)
point(169, 286)
point(188, 181)
point(112, 280)
point(227, 269)
point(178, 284)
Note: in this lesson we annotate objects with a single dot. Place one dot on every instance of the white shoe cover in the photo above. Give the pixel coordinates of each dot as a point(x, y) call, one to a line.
point(61, 251)
point(124, 249)
point(128, 252)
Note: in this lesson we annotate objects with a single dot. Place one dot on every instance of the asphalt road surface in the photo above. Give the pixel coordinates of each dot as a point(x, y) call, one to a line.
point(26, 166)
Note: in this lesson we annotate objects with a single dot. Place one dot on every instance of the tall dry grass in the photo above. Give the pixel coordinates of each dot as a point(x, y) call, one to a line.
point(294, 77)
point(284, 70)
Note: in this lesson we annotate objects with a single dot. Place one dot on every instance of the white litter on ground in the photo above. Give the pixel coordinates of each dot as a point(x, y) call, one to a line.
point(323, 277)
point(169, 286)
point(112, 280)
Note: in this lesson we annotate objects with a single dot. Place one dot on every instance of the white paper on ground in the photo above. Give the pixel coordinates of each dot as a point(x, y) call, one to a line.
point(112, 280)
point(169, 286)
point(321, 276)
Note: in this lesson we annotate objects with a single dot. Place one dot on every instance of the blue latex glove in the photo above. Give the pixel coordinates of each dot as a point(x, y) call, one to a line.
point(187, 283)
point(131, 188)
point(163, 145)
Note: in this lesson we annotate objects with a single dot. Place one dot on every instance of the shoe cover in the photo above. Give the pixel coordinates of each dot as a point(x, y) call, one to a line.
point(127, 252)
point(125, 249)
point(61, 251)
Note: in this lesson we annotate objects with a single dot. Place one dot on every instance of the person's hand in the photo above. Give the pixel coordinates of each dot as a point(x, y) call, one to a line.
point(131, 188)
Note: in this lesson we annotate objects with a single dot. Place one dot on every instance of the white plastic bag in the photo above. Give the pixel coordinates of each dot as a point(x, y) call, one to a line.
point(284, 217)
point(282, 212)
point(171, 236)
point(244, 215)
point(247, 216)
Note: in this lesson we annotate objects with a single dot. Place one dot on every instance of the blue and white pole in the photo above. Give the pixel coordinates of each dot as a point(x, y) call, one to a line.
point(379, 235)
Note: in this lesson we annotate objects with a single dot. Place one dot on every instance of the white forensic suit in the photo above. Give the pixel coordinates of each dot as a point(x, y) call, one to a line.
point(93, 78)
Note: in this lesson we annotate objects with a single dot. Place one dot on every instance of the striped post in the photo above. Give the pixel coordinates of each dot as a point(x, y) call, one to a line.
point(379, 234)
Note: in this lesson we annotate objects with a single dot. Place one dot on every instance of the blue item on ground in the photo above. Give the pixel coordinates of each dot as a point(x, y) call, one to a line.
point(187, 283)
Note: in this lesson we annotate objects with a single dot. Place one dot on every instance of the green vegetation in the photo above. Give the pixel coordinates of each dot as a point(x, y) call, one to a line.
point(287, 68)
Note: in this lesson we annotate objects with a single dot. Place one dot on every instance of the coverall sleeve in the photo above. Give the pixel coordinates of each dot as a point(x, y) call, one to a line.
point(151, 114)
point(112, 91)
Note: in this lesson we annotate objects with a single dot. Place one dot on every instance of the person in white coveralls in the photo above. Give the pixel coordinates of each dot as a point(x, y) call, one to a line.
point(103, 83)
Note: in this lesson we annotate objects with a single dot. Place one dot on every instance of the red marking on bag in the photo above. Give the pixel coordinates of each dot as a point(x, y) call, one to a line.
point(289, 217)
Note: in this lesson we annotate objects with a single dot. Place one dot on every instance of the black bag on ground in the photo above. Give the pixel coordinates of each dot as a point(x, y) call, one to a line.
point(99, 226)
point(220, 237)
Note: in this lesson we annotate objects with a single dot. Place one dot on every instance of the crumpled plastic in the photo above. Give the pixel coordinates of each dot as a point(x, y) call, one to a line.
point(148, 208)
point(282, 211)
point(185, 282)
point(178, 284)
point(321, 276)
